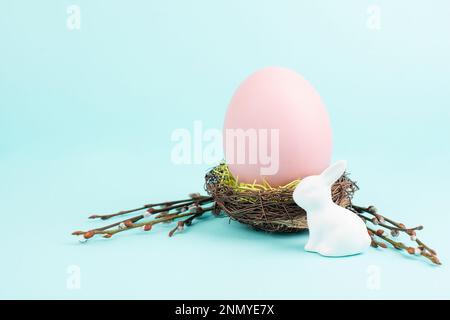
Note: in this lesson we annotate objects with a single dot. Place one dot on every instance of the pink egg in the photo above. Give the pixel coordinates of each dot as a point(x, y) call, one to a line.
point(276, 128)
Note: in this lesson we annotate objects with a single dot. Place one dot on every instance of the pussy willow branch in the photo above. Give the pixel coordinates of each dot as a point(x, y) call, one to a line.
point(167, 205)
point(164, 208)
point(390, 227)
point(191, 208)
point(395, 228)
point(194, 207)
point(373, 211)
point(129, 225)
point(167, 218)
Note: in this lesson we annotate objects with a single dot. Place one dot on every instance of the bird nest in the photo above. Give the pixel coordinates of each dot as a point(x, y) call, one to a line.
point(265, 207)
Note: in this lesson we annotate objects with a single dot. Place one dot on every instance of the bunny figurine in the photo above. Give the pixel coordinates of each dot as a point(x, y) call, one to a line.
point(333, 230)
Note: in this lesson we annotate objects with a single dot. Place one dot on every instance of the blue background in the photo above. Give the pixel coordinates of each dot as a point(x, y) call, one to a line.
point(86, 118)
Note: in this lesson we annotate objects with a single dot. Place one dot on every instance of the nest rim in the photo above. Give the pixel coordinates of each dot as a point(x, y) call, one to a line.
point(267, 208)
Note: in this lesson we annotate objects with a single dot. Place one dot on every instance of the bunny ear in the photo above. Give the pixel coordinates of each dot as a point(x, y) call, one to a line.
point(334, 172)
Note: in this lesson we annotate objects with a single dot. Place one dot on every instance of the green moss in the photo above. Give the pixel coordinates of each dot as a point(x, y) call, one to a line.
point(226, 177)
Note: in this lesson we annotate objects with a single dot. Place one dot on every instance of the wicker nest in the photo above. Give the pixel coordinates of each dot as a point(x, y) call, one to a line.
point(264, 207)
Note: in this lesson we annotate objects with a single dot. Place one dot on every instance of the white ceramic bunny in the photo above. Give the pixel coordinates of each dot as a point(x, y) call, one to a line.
point(333, 230)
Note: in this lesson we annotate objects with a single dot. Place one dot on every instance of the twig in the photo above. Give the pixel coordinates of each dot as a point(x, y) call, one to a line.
point(193, 205)
point(167, 205)
point(155, 211)
point(396, 228)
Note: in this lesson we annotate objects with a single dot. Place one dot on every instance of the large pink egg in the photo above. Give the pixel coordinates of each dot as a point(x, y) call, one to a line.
point(276, 128)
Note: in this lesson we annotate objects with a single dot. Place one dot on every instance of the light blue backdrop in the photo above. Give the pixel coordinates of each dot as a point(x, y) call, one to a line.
point(86, 118)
